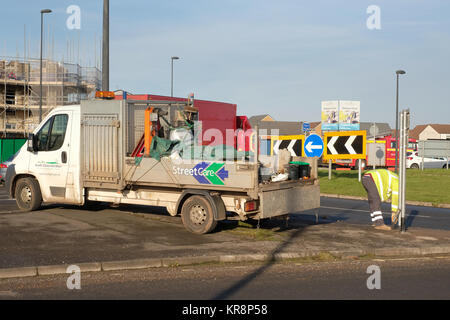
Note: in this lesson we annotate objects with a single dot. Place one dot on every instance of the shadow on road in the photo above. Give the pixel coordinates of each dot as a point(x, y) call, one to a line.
point(409, 220)
point(297, 224)
point(249, 278)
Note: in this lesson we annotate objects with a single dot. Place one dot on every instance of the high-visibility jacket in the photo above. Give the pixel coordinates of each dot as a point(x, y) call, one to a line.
point(387, 185)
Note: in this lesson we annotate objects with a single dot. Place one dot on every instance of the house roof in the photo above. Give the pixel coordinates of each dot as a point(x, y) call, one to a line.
point(283, 127)
point(314, 124)
point(383, 128)
point(414, 133)
point(258, 118)
point(441, 128)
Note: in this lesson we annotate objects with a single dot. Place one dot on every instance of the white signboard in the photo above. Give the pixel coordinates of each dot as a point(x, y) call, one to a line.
point(434, 148)
point(349, 115)
point(330, 115)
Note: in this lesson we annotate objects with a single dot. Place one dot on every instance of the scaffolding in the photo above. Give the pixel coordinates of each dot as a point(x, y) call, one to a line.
point(62, 84)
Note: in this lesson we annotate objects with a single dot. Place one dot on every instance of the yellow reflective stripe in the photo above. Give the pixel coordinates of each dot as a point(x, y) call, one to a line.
point(390, 180)
point(381, 186)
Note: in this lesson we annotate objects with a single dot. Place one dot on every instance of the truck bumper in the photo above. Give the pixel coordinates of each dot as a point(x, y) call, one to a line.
point(284, 201)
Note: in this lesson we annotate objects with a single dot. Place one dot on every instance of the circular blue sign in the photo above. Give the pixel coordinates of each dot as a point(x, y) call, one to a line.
point(313, 146)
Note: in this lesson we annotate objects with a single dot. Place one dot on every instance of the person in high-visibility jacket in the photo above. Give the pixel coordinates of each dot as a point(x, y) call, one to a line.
point(381, 185)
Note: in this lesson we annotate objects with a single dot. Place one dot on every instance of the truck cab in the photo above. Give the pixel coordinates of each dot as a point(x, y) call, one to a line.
point(48, 163)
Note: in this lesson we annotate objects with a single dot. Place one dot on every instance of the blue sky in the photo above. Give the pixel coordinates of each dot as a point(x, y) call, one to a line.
point(276, 57)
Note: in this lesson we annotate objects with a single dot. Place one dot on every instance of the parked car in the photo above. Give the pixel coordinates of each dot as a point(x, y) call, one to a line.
point(413, 161)
point(4, 166)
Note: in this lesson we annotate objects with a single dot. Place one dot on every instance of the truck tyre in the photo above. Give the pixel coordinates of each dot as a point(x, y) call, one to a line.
point(197, 215)
point(28, 194)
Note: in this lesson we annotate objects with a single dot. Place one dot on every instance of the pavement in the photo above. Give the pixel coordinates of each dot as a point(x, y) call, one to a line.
point(136, 237)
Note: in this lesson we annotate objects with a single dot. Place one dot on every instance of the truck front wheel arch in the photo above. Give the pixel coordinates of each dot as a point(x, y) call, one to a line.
point(14, 179)
point(28, 194)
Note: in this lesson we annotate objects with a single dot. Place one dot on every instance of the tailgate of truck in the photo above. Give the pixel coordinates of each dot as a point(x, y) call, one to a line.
point(288, 198)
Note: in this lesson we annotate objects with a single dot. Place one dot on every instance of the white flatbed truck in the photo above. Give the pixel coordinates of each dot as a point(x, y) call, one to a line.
point(82, 153)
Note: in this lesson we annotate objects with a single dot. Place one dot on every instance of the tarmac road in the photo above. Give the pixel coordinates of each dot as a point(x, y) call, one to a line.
point(357, 211)
point(334, 209)
point(61, 234)
point(411, 278)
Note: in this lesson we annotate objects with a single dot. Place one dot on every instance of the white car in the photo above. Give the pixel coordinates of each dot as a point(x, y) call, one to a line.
point(413, 161)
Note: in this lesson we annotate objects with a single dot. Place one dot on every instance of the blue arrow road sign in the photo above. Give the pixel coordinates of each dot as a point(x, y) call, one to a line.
point(313, 146)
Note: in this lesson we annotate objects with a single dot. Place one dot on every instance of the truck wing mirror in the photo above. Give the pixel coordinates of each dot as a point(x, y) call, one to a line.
point(32, 143)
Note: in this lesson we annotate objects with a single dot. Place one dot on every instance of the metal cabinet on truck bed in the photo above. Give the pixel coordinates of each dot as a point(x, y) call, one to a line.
point(201, 190)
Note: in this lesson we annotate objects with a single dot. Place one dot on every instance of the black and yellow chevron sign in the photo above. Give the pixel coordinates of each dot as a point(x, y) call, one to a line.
point(344, 145)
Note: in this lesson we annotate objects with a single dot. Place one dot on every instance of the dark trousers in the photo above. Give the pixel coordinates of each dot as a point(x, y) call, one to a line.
point(372, 193)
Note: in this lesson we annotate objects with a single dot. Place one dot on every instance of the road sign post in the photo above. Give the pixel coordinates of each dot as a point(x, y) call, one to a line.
point(404, 130)
point(359, 171)
point(329, 169)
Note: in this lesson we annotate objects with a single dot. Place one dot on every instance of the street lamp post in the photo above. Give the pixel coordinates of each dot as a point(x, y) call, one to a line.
point(40, 74)
point(105, 47)
point(398, 72)
point(171, 78)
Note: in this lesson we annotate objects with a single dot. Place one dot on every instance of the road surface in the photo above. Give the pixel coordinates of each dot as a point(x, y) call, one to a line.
point(334, 209)
point(409, 278)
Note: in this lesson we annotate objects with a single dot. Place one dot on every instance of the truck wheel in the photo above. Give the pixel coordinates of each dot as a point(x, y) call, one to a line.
point(28, 194)
point(197, 215)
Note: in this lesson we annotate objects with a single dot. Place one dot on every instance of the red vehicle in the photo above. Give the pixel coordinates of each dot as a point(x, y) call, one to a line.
point(390, 149)
point(390, 144)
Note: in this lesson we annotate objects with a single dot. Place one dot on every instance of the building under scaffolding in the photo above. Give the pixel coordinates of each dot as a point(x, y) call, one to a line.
point(62, 84)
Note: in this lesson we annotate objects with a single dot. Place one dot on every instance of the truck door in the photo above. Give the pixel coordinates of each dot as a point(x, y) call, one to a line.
point(50, 163)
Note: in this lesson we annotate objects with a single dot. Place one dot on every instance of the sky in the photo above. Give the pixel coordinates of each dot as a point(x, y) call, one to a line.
point(277, 57)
